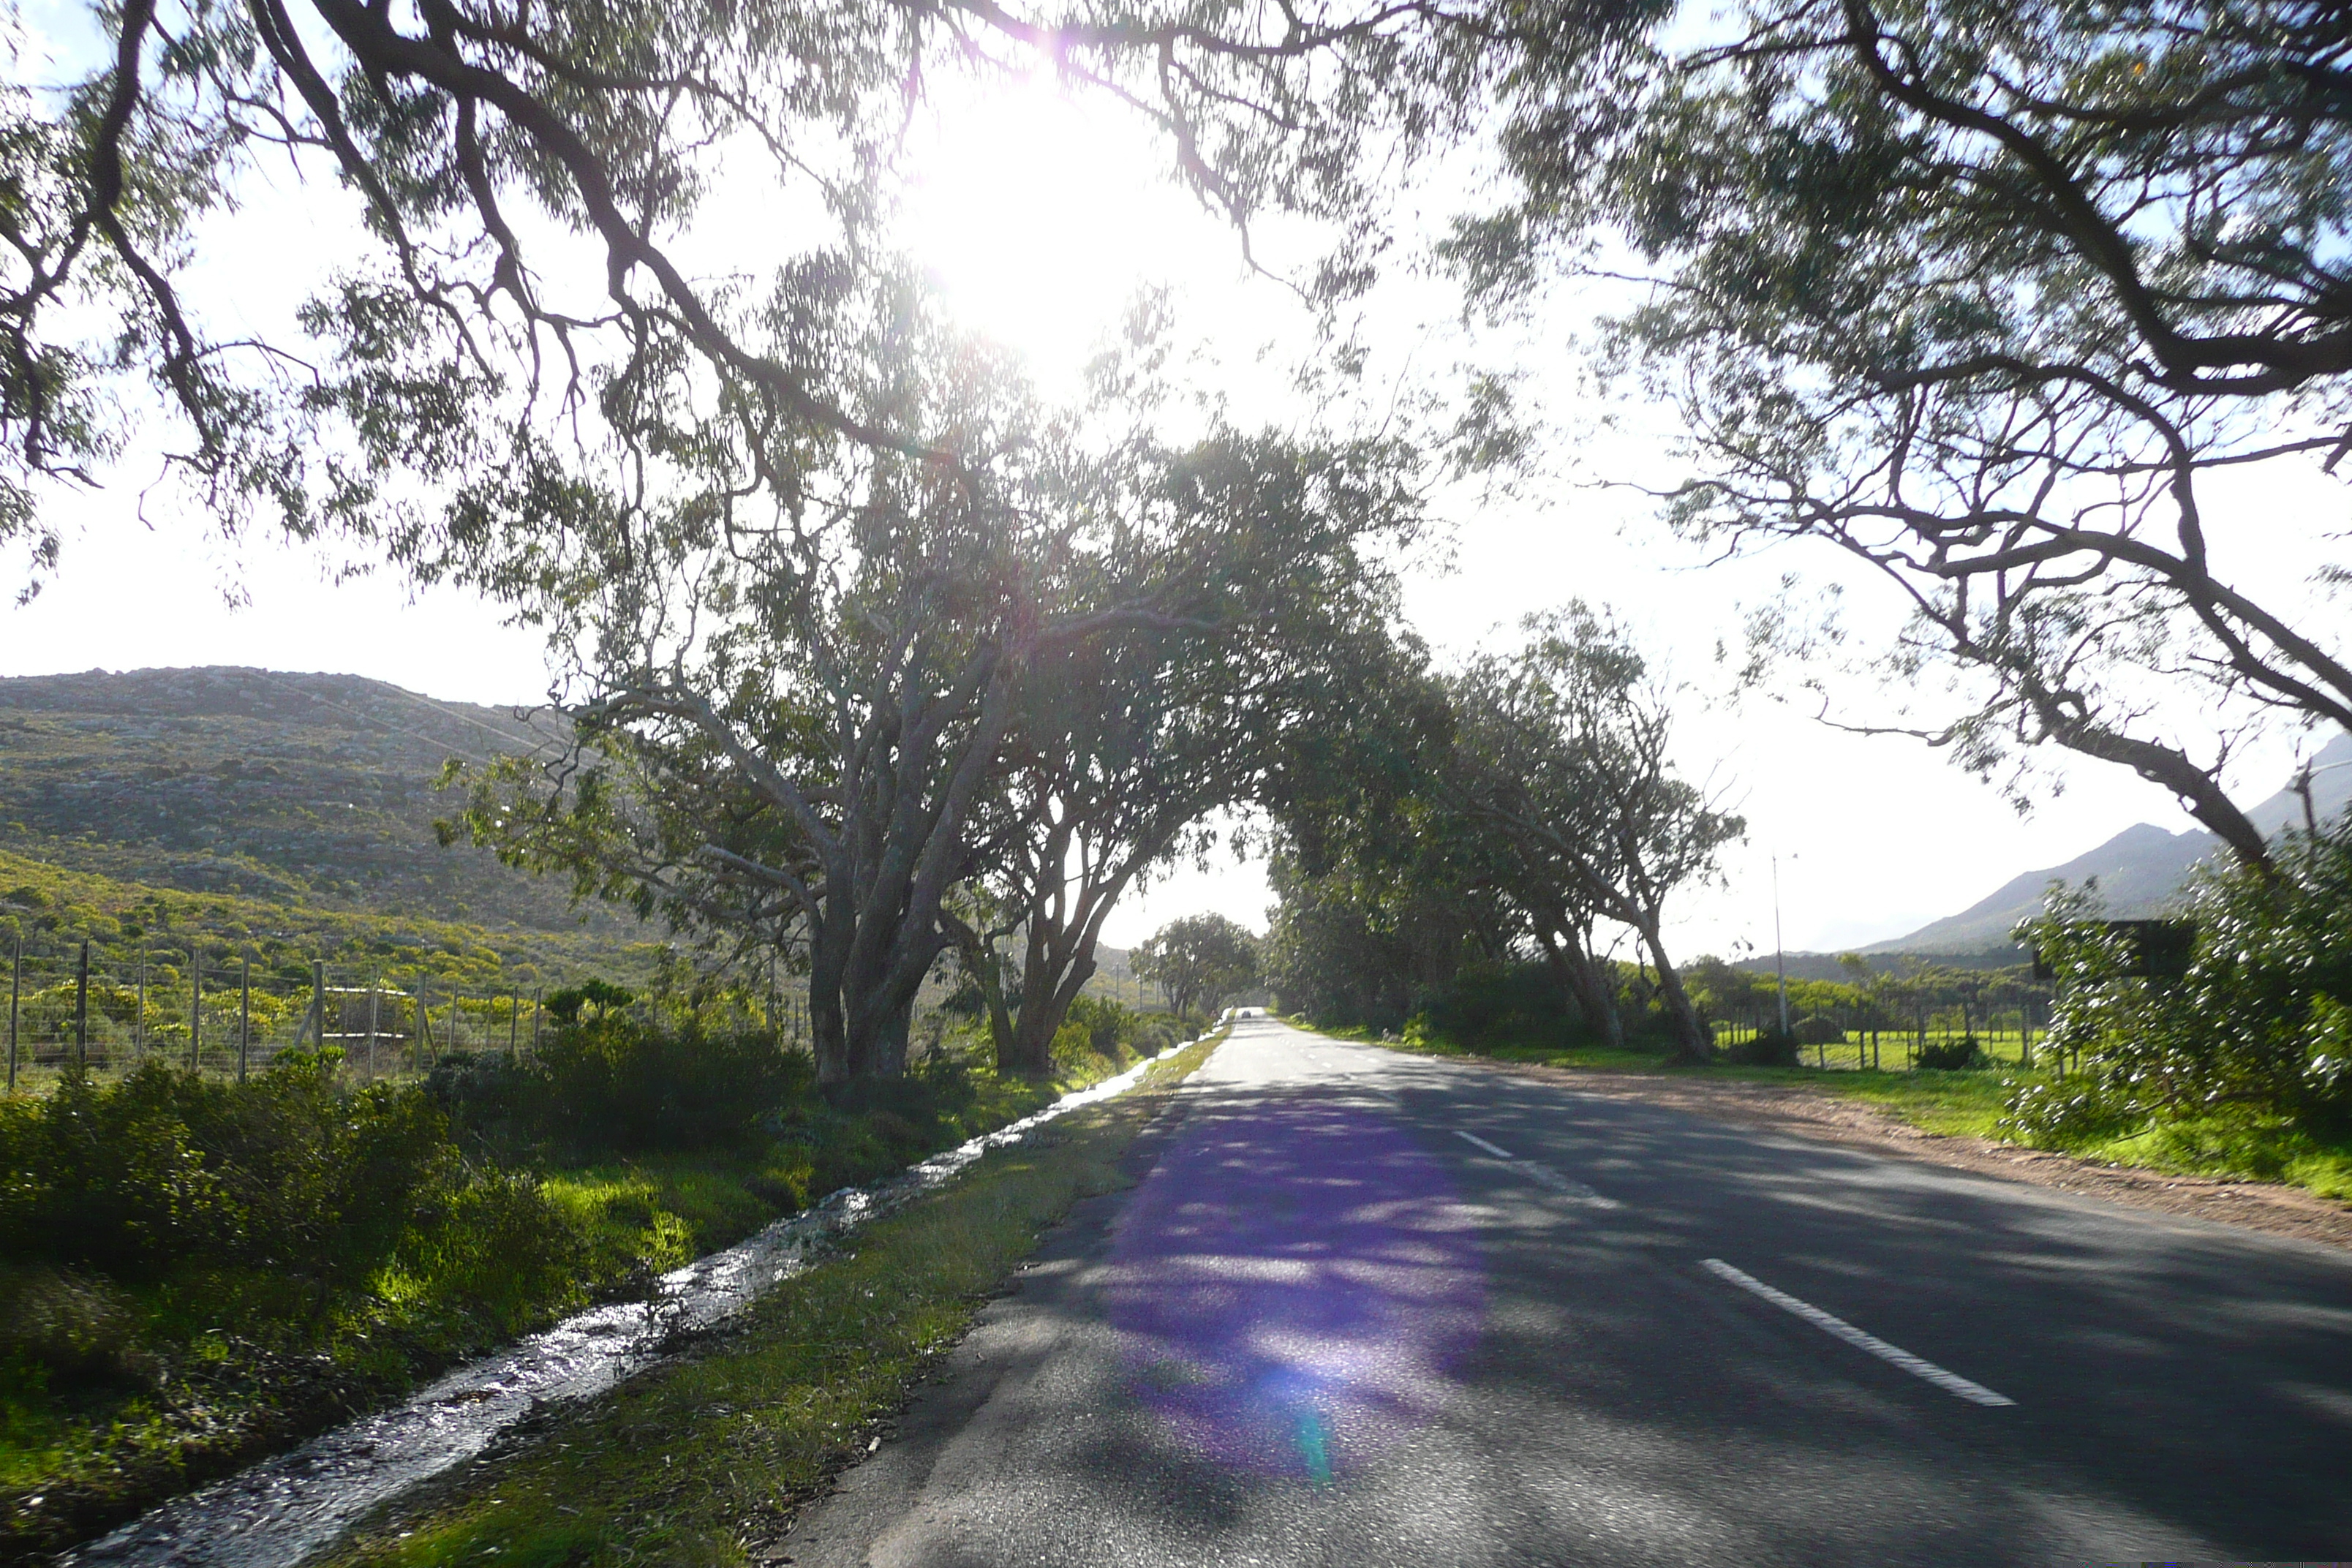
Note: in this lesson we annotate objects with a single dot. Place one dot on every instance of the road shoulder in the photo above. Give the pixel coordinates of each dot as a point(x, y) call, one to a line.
point(1808, 1113)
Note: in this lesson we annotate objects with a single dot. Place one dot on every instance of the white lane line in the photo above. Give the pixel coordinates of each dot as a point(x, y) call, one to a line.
point(1543, 1172)
point(1569, 1184)
point(1950, 1383)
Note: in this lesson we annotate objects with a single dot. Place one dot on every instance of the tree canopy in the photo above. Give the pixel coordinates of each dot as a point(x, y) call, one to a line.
point(1990, 296)
point(543, 282)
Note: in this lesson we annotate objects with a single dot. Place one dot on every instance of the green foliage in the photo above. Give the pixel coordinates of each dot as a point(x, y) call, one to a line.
point(286, 1173)
point(195, 1268)
point(1486, 1004)
point(1199, 962)
point(2260, 1027)
point(1117, 1032)
point(1766, 1048)
point(1949, 1055)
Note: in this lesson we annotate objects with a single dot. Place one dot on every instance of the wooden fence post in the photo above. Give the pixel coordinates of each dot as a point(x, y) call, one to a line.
point(424, 1024)
point(514, 1023)
point(244, 1018)
point(195, 1009)
point(81, 1011)
point(317, 1004)
point(537, 1017)
point(15, 991)
point(139, 1019)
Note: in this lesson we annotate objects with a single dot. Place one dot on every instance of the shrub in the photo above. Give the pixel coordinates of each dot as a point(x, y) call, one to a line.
point(69, 1330)
point(1766, 1048)
point(605, 1079)
point(1952, 1055)
point(1501, 1004)
point(284, 1172)
point(1817, 1031)
point(2260, 1024)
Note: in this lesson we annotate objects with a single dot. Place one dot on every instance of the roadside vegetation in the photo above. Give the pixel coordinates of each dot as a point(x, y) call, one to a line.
point(2234, 1071)
point(197, 1270)
point(704, 1459)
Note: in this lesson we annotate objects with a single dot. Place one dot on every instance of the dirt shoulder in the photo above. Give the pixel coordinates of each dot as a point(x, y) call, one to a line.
point(1830, 1119)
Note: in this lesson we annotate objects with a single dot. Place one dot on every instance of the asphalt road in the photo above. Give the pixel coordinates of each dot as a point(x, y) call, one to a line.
point(1328, 1328)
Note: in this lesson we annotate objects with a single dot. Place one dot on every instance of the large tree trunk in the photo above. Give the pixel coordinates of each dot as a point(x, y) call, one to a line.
point(1582, 984)
point(1691, 1041)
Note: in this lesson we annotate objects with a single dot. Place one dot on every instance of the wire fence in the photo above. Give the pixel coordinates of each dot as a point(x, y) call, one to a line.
point(1894, 1037)
point(221, 1012)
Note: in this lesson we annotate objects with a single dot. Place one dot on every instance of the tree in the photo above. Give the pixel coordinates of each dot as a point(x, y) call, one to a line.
point(799, 730)
point(1360, 939)
point(1123, 745)
point(1200, 960)
point(527, 296)
point(1986, 296)
point(1561, 753)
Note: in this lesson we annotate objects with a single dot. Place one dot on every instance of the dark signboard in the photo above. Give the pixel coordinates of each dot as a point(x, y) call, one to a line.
point(2159, 950)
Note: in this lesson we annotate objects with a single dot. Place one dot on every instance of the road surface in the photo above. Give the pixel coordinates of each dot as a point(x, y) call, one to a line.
point(1373, 1308)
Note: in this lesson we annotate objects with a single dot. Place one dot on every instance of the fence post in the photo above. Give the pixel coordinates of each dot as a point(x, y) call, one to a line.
point(514, 1025)
point(244, 1018)
point(81, 1011)
point(424, 1024)
point(139, 1019)
point(537, 1017)
point(317, 1004)
point(375, 996)
point(195, 1009)
point(15, 991)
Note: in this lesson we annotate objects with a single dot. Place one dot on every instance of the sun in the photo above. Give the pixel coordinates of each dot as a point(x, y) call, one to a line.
point(1040, 216)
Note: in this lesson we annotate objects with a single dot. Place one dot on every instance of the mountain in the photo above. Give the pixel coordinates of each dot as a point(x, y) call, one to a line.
point(2139, 870)
point(317, 789)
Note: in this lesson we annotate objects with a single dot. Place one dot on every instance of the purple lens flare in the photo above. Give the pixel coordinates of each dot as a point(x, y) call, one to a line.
point(1294, 1284)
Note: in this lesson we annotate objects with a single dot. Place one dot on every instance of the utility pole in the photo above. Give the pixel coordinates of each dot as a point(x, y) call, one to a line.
point(1779, 959)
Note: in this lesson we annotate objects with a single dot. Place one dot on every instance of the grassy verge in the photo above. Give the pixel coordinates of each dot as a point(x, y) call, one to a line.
point(1971, 1104)
point(128, 1375)
point(691, 1462)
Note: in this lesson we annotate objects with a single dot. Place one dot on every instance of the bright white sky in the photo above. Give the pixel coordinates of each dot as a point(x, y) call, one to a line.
point(1034, 222)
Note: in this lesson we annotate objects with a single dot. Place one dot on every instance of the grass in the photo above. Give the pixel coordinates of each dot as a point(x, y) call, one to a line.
point(697, 1460)
point(1970, 1104)
point(199, 1367)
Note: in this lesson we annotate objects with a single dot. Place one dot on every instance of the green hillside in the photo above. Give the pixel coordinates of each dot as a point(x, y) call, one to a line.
point(309, 788)
point(275, 820)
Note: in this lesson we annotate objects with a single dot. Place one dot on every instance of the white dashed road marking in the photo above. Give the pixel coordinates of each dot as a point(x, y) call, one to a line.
point(1543, 1172)
point(1950, 1383)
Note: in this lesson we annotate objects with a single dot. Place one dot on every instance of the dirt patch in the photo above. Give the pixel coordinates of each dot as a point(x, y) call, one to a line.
point(1830, 1119)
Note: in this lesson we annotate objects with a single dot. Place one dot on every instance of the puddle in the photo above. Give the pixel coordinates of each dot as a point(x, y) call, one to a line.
point(283, 1510)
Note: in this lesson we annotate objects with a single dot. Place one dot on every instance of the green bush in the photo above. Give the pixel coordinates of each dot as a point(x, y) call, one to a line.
point(1492, 1004)
point(1952, 1055)
point(1117, 1031)
point(284, 1171)
point(605, 1079)
point(1817, 1031)
point(2259, 1026)
point(1766, 1048)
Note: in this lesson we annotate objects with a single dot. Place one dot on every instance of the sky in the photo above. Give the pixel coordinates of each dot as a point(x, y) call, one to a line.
point(1030, 217)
